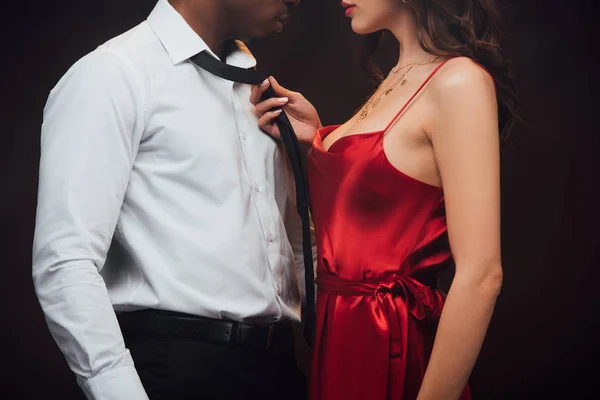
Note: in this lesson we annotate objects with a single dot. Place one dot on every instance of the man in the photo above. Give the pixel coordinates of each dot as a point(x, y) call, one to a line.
point(161, 199)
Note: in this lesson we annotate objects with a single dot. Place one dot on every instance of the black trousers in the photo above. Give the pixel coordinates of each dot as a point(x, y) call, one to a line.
point(178, 369)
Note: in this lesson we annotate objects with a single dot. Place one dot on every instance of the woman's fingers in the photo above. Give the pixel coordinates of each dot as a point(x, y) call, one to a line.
point(266, 123)
point(280, 90)
point(266, 111)
point(267, 105)
point(257, 91)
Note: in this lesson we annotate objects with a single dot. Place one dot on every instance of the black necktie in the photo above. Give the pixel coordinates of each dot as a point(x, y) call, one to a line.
point(252, 77)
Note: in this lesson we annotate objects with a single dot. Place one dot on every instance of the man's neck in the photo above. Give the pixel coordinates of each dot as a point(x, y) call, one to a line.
point(206, 19)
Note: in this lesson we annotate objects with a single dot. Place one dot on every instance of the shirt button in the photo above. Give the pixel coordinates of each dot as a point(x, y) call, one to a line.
point(244, 137)
point(270, 237)
point(256, 188)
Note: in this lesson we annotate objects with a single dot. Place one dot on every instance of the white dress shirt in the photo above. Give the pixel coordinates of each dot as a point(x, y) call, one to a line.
point(157, 189)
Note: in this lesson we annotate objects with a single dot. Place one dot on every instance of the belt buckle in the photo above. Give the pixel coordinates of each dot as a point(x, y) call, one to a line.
point(270, 336)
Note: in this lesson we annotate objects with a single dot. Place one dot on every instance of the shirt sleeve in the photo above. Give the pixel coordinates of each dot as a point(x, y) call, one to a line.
point(93, 122)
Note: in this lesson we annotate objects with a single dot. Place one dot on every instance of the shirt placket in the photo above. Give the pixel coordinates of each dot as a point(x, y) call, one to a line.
point(261, 195)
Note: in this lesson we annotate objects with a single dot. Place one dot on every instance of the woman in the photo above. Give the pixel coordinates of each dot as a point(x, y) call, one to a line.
point(407, 187)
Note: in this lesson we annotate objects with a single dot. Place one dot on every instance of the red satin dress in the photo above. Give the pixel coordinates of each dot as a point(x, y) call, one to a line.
point(382, 241)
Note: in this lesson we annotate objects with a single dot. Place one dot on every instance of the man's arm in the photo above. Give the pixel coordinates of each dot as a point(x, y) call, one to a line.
point(93, 122)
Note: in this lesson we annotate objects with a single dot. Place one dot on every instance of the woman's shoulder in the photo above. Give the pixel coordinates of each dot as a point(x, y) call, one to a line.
point(460, 78)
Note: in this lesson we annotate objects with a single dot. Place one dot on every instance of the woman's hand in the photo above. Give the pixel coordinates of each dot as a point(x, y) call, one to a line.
point(301, 113)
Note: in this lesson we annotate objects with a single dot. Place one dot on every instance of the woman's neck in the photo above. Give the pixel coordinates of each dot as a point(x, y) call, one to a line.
point(406, 33)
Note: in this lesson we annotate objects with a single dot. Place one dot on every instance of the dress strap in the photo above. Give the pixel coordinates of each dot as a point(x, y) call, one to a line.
point(415, 94)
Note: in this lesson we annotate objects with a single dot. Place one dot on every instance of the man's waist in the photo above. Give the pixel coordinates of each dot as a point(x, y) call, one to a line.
point(175, 325)
point(245, 310)
point(241, 299)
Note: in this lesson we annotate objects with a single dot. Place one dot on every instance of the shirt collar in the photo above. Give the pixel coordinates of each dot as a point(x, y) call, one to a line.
point(182, 42)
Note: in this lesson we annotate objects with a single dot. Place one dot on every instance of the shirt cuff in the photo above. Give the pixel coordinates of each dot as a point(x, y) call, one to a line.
point(121, 383)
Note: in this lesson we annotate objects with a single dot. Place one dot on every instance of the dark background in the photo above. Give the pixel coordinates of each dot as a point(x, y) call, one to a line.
point(542, 341)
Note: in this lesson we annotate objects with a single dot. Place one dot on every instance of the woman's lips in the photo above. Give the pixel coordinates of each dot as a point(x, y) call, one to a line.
point(348, 8)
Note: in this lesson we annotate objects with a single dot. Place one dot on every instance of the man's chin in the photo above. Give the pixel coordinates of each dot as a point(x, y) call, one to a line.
point(259, 36)
point(267, 31)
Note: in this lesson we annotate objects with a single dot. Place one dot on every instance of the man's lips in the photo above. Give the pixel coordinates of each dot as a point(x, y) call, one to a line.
point(282, 21)
point(285, 18)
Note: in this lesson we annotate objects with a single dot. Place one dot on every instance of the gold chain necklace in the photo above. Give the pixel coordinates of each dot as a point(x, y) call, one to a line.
point(374, 101)
point(397, 68)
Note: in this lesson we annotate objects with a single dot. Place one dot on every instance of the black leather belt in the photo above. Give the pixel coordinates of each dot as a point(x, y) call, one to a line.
point(157, 323)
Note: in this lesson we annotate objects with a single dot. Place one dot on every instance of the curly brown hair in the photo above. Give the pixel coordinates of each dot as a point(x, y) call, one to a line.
point(469, 28)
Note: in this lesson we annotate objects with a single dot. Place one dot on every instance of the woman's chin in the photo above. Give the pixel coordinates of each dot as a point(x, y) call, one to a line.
point(361, 29)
